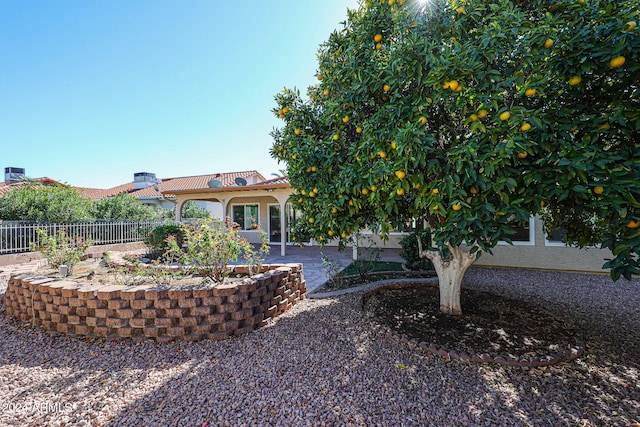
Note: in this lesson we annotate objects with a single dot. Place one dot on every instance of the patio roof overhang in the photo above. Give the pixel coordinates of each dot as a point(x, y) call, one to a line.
point(246, 188)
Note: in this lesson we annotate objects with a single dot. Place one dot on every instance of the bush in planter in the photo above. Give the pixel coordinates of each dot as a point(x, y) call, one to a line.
point(61, 248)
point(157, 239)
point(410, 252)
point(211, 245)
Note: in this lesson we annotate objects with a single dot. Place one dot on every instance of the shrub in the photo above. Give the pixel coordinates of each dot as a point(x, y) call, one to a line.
point(210, 246)
point(410, 252)
point(61, 249)
point(126, 207)
point(192, 210)
point(157, 239)
point(51, 203)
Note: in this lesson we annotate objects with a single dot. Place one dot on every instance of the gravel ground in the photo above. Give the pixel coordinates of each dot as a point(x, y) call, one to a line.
point(323, 363)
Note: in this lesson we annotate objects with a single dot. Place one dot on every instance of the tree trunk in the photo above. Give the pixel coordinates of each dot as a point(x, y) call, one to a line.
point(450, 273)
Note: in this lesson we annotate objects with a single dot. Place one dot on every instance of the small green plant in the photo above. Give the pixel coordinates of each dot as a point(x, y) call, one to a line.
point(334, 278)
point(410, 252)
point(61, 249)
point(130, 276)
point(107, 258)
point(160, 274)
point(210, 246)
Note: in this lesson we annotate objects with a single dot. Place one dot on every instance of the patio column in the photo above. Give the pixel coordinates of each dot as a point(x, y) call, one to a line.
point(354, 248)
point(178, 213)
point(282, 200)
point(224, 203)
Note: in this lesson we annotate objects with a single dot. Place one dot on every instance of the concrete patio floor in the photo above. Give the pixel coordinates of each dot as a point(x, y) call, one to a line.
point(311, 258)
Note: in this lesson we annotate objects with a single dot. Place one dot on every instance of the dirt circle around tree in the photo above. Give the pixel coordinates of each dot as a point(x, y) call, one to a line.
point(492, 328)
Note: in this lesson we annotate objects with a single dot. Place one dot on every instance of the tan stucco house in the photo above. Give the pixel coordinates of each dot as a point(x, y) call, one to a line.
point(267, 200)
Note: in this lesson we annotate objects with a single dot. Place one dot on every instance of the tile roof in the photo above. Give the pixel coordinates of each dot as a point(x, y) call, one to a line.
point(278, 180)
point(101, 193)
point(196, 182)
point(6, 186)
point(271, 184)
point(174, 184)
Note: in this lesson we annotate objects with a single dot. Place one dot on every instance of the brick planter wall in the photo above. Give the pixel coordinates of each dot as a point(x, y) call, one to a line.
point(148, 311)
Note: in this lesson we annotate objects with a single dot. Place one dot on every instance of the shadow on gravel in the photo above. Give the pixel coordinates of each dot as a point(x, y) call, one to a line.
point(324, 361)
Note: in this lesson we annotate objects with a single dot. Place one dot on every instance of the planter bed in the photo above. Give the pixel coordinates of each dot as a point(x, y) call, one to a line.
point(162, 313)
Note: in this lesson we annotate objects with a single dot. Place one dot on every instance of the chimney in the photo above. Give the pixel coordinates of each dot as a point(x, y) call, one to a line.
point(144, 180)
point(13, 175)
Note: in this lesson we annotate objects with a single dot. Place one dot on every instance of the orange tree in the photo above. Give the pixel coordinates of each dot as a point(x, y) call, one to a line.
point(471, 116)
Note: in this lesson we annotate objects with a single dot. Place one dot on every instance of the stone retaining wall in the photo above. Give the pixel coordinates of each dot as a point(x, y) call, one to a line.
point(160, 313)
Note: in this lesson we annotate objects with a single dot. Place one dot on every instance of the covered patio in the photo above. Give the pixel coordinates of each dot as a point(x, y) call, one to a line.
point(264, 205)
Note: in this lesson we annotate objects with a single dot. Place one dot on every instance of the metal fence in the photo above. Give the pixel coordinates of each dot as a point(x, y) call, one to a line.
point(17, 236)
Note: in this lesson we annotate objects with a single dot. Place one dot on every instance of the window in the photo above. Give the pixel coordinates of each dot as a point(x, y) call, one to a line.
point(246, 216)
point(524, 234)
point(555, 237)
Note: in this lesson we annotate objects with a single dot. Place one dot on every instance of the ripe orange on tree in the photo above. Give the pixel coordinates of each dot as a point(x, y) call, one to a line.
point(575, 80)
point(618, 61)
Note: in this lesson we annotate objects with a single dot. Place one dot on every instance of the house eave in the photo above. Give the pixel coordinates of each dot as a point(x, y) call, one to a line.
point(228, 189)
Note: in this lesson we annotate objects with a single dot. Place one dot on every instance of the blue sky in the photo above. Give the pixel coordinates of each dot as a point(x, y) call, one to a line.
point(94, 91)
